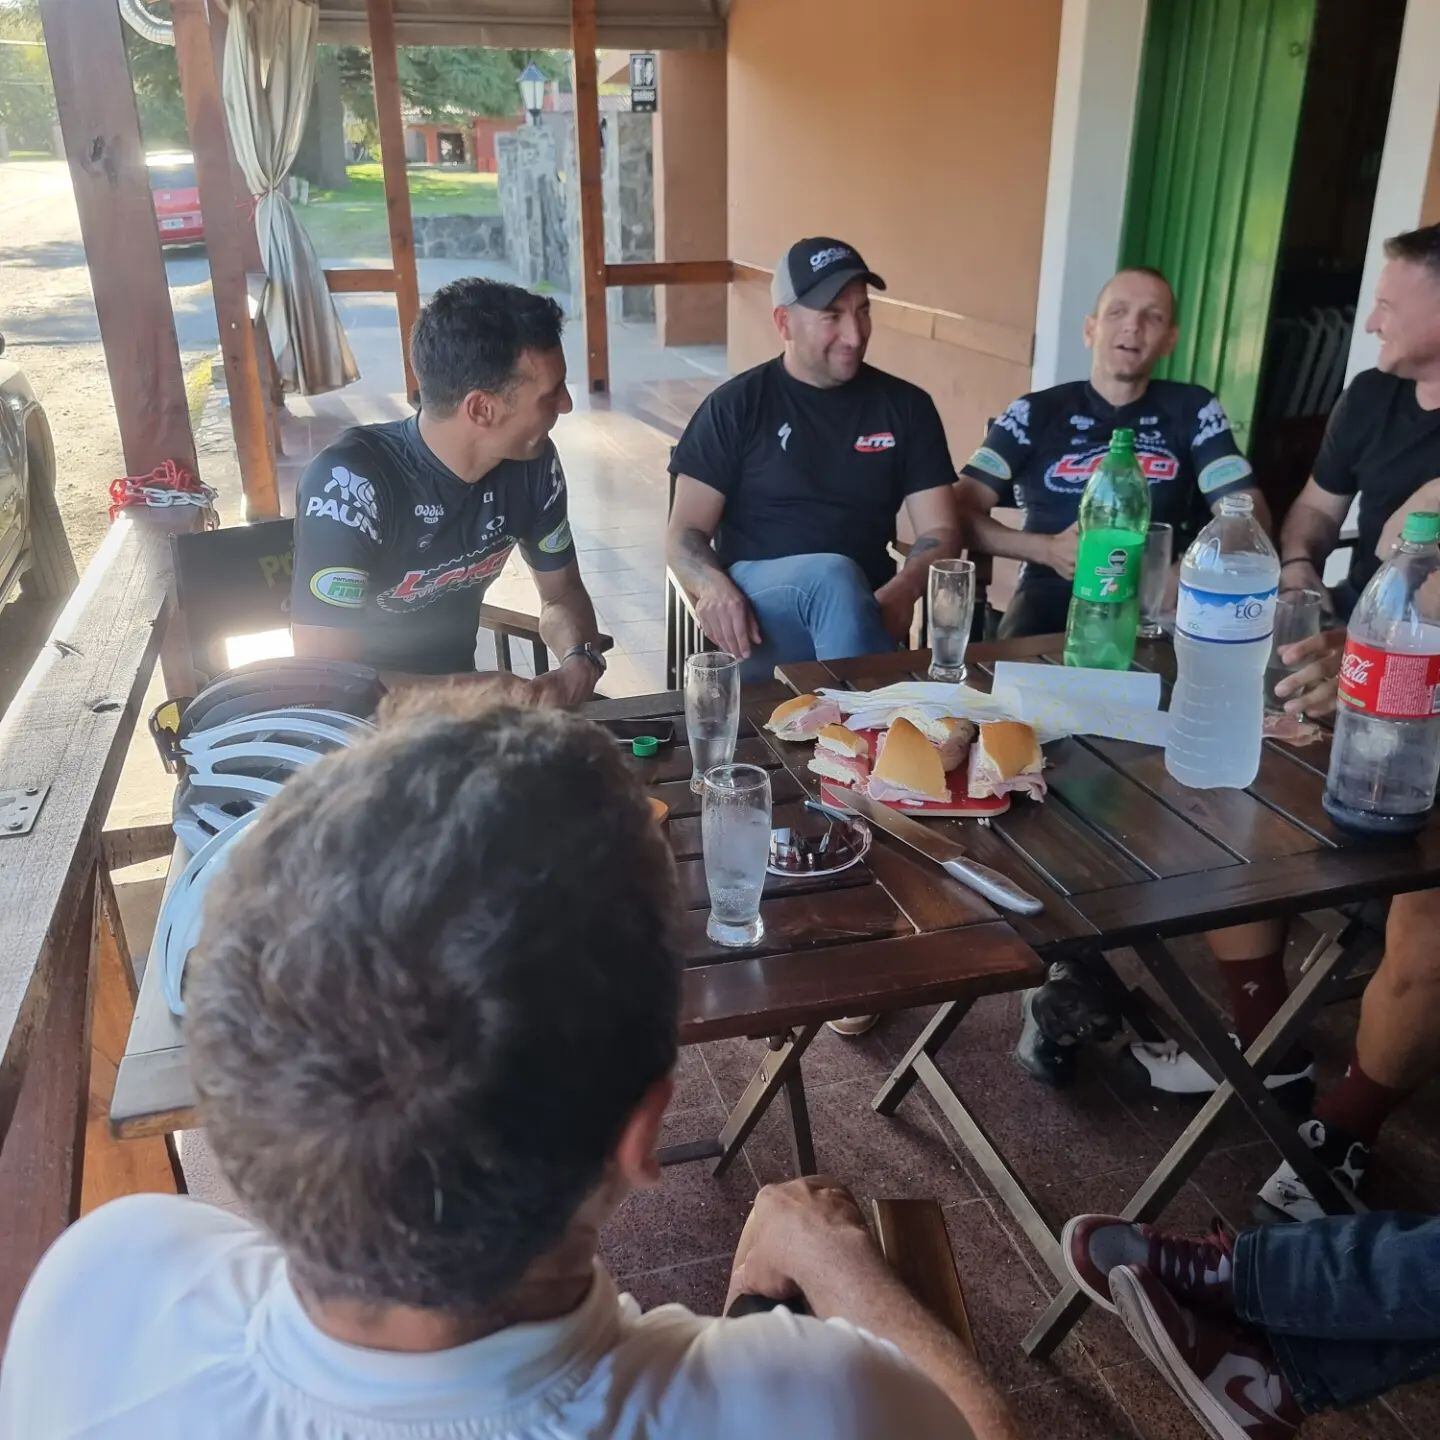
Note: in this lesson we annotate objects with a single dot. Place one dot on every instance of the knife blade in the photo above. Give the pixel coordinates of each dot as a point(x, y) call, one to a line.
point(947, 853)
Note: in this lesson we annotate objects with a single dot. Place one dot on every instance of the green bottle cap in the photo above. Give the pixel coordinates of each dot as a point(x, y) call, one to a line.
point(1422, 528)
point(644, 747)
point(1122, 439)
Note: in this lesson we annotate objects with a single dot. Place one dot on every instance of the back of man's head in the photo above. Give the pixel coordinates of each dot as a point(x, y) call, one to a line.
point(432, 986)
point(471, 336)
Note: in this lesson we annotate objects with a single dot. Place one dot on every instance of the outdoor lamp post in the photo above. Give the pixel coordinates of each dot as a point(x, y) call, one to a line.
point(532, 91)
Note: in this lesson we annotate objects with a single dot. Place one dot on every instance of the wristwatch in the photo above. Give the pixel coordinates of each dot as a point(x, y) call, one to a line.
point(586, 649)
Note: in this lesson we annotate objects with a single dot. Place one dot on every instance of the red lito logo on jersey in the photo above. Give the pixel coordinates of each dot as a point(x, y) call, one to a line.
point(869, 444)
point(1153, 467)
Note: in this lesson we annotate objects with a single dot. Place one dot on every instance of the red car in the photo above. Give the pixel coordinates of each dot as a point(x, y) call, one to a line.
point(177, 200)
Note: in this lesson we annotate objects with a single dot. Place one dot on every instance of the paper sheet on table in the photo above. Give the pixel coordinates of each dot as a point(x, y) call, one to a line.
point(1056, 700)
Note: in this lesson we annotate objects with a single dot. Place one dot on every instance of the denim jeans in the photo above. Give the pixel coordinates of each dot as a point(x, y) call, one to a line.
point(809, 607)
point(1350, 1304)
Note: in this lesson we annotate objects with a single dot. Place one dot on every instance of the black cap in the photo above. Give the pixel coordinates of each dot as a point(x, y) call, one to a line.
point(813, 272)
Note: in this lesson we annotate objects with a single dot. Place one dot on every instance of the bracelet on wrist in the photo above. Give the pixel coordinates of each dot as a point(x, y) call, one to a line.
point(1298, 560)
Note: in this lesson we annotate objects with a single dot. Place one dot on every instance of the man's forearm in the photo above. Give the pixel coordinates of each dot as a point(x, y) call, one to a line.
point(1005, 542)
point(926, 549)
point(1308, 534)
point(689, 553)
point(568, 621)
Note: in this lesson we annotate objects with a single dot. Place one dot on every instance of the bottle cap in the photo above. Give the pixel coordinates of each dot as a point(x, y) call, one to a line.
point(1122, 439)
point(643, 747)
point(1422, 528)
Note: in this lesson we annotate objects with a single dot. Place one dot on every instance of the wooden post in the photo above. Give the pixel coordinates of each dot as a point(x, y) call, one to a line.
point(244, 201)
point(380, 15)
point(96, 103)
point(592, 204)
point(225, 248)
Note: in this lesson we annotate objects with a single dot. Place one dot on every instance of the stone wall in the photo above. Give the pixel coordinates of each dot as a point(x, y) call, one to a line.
point(460, 237)
point(629, 189)
point(539, 205)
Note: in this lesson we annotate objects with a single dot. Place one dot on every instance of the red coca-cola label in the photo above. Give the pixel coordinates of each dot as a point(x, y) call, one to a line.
point(1386, 683)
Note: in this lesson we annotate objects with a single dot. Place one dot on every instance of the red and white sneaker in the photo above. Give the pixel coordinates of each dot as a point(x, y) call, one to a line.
point(1196, 1272)
point(1230, 1381)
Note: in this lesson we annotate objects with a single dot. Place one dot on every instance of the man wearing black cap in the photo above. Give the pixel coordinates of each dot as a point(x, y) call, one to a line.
point(790, 476)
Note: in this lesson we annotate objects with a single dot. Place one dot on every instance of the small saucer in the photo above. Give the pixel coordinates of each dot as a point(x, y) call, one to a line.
point(817, 845)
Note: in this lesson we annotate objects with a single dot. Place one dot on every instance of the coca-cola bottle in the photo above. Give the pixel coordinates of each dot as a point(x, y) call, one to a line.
point(1385, 757)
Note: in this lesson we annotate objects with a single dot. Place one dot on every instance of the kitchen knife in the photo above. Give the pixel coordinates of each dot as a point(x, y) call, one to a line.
point(946, 853)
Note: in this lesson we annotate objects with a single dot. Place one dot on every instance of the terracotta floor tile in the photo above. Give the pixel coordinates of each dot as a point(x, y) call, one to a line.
point(1418, 1407)
point(829, 1059)
point(1153, 1408)
point(700, 1286)
point(1069, 1409)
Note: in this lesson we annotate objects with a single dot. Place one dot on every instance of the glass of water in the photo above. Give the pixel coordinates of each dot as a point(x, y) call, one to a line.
point(1154, 578)
point(950, 607)
point(712, 711)
point(1297, 617)
point(735, 838)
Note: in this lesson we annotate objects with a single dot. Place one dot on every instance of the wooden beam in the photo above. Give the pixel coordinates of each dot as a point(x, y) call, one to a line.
point(385, 73)
point(239, 185)
point(670, 272)
point(592, 205)
point(225, 251)
point(361, 282)
point(96, 104)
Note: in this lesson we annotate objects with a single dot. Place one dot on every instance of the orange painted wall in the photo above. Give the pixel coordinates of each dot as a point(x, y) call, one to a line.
point(1430, 206)
point(689, 161)
point(918, 130)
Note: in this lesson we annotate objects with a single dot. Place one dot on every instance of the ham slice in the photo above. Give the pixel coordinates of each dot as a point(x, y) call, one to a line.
point(842, 769)
point(1292, 730)
point(812, 722)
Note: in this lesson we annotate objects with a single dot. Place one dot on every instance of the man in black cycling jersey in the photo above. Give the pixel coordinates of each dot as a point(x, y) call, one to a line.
point(1041, 451)
point(400, 528)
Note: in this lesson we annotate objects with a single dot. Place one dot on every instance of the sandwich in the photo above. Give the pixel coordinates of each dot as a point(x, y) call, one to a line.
point(803, 718)
point(907, 770)
point(950, 735)
point(841, 755)
point(1006, 758)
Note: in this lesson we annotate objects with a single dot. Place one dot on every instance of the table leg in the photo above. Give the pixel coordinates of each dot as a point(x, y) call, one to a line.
point(932, 1038)
point(1315, 988)
point(776, 1072)
point(802, 1144)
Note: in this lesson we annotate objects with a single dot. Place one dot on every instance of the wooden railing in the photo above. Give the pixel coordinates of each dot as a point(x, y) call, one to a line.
point(66, 985)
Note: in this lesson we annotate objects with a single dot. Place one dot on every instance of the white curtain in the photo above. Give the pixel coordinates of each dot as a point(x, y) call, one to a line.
point(269, 71)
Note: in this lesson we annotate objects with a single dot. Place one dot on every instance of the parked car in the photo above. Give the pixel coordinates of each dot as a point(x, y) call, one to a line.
point(174, 190)
point(34, 553)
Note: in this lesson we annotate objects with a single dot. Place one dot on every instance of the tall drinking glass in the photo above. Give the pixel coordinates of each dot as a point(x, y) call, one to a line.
point(735, 838)
point(1297, 617)
point(950, 609)
point(712, 711)
point(1154, 576)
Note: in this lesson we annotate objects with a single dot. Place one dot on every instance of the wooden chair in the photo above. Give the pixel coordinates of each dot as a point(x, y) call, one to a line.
point(236, 581)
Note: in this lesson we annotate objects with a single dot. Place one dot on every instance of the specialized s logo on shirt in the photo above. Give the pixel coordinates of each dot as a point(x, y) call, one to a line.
point(419, 588)
point(870, 444)
point(348, 498)
point(783, 434)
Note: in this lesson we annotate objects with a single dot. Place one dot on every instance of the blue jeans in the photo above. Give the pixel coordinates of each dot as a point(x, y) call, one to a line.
point(1350, 1304)
point(809, 607)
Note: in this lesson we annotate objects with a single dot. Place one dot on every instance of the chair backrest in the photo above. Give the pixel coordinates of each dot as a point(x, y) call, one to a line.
point(683, 635)
point(234, 581)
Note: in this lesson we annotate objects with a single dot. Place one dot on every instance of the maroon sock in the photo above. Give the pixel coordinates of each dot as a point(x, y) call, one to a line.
point(1357, 1106)
point(1258, 988)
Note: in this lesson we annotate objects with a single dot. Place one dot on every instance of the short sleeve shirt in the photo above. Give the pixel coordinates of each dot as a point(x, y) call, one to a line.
point(1041, 452)
point(1382, 446)
point(159, 1318)
point(391, 542)
point(808, 471)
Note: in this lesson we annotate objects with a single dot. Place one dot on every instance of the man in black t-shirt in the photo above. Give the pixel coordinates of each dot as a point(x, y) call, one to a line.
point(1041, 452)
point(400, 528)
point(789, 478)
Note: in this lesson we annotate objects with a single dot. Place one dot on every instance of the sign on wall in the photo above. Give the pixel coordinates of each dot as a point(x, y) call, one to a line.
point(643, 94)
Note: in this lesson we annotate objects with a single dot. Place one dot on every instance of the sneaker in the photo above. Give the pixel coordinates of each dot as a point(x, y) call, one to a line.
point(1286, 1193)
point(1073, 1005)
point(853, 1024)
point(1177, 1072)
point(1196, 1272)
point(1039, 1057)
point(1230, 1381)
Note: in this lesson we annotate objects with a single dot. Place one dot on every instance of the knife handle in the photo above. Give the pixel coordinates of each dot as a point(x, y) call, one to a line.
point(994, 886)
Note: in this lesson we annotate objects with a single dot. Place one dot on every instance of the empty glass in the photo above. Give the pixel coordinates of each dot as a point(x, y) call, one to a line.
point(1297, 617)
point(950, 608)
point(1154, 578)
point(712, 711)
point(735, 839)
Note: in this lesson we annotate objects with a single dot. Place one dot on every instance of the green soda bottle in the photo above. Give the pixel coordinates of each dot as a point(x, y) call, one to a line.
point(1105, 599)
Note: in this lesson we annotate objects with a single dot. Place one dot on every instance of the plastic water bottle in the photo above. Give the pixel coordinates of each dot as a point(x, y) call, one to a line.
point(1385, 756)
point(1223, 622)
point(1105, 595)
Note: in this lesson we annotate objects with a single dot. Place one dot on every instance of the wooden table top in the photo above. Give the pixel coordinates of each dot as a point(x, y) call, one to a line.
point(1117, 851)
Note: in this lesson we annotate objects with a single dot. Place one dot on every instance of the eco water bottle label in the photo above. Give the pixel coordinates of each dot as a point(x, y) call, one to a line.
point(1225, 619)
point(1107, 565)
point(1394, 686)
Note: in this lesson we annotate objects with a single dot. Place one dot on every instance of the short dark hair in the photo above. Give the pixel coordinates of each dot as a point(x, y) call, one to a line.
point(1149, 270)
point(1420, 247)
point(471, 336)
point(431, 986)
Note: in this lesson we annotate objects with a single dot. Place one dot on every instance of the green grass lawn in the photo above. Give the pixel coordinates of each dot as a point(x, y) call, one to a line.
point(350, 223)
